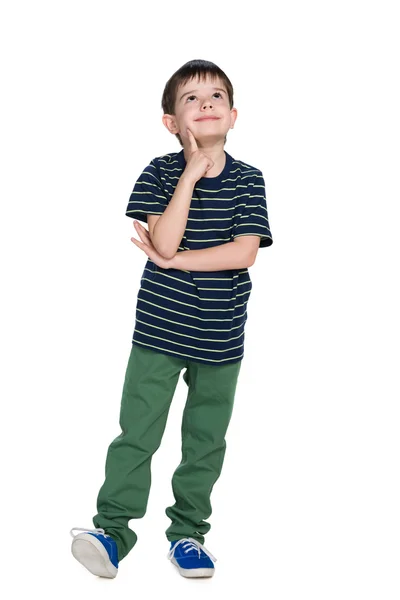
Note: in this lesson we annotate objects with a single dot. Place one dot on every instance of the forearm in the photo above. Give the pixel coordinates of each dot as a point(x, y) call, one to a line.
point(230, 255)
point(170, 227)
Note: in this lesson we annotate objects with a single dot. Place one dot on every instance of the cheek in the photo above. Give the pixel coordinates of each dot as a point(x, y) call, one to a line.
point(189, 110)
point(181, 118)
point(185, 119)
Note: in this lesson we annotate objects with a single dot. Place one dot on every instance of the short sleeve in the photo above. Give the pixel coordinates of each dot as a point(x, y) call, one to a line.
point(254, 217)
point(148, 196)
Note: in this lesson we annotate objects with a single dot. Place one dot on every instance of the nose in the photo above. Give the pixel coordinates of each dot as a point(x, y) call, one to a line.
point(207, 103)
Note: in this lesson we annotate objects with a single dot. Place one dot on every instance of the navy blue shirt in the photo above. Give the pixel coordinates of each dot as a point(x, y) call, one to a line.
point(199, 315)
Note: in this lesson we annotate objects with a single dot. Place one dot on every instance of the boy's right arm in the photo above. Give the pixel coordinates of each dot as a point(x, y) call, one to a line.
point(167, 233)
point(170, 227)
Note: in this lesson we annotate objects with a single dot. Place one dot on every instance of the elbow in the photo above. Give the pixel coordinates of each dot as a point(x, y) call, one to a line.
point(162, 249)
point(165, 252)
point(251, 260)
point(169, 255)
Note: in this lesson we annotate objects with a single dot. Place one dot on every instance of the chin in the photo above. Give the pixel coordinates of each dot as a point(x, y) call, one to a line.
point(213, 138)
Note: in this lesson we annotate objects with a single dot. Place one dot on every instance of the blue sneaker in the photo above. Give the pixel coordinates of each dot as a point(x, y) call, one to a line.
point(191, 558)
point(96, 551)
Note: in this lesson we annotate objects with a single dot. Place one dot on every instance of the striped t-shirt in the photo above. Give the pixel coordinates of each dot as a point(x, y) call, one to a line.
point(199, 315)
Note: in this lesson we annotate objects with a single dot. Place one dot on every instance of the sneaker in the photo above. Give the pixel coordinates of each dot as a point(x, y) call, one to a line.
point(96, 551)
point(191, 558)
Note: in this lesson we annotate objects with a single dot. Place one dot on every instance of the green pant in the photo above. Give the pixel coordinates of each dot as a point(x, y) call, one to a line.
point(150, 382)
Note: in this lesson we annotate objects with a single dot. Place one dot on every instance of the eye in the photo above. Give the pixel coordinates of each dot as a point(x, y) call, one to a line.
point(193, 96)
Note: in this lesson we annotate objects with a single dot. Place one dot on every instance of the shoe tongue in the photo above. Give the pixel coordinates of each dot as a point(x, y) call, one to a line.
point(174, 542)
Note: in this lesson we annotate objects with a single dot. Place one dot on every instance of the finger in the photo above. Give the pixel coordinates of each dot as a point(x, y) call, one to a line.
point(192, 141)
point(140, 245)
point(141, 231)
point(139, 225)
point(142, 228)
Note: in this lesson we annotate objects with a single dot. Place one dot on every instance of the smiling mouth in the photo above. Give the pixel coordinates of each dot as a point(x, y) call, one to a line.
point(208, 119)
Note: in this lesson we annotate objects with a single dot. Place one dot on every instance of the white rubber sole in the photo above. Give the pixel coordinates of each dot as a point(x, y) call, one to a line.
point(205, 572)
point(90, 552)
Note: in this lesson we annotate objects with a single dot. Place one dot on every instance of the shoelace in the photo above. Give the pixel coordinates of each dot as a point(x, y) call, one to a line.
point(191, 544)
point(97, 530)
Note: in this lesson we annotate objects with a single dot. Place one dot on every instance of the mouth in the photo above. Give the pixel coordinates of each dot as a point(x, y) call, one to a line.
point(208, 119)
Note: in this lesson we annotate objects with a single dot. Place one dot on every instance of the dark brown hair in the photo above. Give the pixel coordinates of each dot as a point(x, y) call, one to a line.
point(190, 70)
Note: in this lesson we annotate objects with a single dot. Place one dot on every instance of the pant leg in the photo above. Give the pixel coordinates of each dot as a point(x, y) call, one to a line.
point(205, 421)
point(150, 382)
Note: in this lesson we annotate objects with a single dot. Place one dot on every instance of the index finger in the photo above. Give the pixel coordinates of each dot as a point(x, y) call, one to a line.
point(192, 141)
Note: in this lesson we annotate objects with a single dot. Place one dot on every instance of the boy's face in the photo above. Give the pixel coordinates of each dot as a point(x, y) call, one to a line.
point(198, 99)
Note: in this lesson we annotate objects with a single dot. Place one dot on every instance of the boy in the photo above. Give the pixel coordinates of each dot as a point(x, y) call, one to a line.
point(207, 217)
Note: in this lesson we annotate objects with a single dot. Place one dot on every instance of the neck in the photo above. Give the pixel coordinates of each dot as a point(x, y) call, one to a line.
point(214, 151)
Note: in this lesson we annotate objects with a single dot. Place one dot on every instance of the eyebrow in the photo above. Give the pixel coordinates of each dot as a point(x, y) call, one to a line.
point(186, 93)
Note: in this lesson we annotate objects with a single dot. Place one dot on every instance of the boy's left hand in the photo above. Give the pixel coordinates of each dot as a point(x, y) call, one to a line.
point(147, 246)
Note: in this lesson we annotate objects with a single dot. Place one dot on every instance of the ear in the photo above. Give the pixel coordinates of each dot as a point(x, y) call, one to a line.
point(170, 123)
point(233, 117)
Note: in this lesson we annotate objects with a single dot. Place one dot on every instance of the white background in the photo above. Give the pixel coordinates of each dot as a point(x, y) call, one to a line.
point(307, 505)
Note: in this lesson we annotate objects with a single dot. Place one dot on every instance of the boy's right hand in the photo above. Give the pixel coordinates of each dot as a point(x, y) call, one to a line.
point(198, 163)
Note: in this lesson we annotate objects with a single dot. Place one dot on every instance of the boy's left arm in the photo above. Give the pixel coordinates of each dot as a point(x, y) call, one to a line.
point(251, 232)
point(239, 254)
